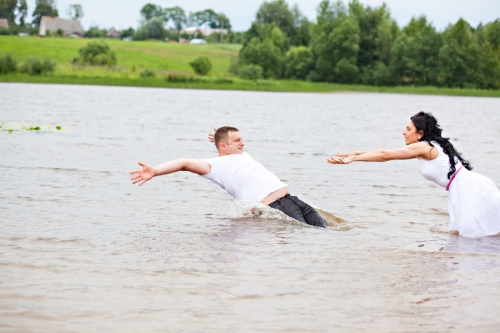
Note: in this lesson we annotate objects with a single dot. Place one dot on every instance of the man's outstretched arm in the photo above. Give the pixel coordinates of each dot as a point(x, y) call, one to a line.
point(147, 172)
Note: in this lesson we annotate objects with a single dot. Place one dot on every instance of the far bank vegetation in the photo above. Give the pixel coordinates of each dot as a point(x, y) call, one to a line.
point(346, 43)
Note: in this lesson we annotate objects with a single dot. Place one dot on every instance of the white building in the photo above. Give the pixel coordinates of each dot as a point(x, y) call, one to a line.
point(52, 24)
point(197, 41)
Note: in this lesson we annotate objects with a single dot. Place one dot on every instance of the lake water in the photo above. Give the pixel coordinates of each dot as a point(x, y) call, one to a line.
point(82, 250)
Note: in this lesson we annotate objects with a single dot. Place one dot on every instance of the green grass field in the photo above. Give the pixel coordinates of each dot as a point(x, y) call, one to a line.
point(164, 58)
point(159, 56)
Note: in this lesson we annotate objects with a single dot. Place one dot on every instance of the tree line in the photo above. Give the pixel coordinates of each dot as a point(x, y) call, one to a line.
point(346, 43)
point(355, 43)
point(16, 12)
point(155, 19)
point(153, 25)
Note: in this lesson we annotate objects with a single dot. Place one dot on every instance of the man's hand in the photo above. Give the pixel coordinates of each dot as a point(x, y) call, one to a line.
point(142, 175)
point(211, 136)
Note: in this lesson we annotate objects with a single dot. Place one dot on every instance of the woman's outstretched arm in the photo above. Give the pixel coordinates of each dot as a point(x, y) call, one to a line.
point(415, 150)
point(147, 172)
point(354, 153)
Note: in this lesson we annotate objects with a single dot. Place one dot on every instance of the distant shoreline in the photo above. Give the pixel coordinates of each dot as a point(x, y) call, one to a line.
point(166, 59)
point(259, 85)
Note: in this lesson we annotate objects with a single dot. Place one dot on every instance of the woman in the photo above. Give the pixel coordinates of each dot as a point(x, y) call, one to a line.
point(473, 200)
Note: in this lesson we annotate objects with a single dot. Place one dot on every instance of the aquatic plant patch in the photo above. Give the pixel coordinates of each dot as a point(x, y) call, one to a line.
point(9, 127)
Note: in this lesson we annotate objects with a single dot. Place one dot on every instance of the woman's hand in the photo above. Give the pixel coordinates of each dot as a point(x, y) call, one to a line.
point(341, 160)
point(344, 154)
point(211, 136)
point(142, 175)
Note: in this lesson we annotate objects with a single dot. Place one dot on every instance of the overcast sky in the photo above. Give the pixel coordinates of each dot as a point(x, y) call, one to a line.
point(125, 13)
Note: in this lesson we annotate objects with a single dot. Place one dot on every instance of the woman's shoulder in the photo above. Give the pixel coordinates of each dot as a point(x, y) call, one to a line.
point(427, 150)
point(421, 145)
point(434, 144)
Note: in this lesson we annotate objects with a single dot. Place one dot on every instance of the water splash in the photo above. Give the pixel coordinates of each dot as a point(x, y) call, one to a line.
point(254, 209)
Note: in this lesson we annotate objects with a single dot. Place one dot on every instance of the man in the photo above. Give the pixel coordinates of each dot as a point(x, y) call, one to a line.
point(239, 174)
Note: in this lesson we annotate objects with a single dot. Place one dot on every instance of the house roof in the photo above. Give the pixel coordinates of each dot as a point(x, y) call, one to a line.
point(114, 33)
point(52, 24)
point(204, 32)
point(4, 23)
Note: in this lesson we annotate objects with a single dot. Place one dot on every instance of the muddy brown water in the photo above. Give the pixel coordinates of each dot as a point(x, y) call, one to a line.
point(83, 250)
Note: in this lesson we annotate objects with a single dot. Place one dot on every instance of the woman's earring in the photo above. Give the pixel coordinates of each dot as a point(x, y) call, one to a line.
point(419, 138)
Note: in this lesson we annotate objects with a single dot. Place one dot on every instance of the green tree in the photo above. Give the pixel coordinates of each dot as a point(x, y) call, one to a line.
point(95, 32)
point(150, 11)
point(253, 31)
point(298, 63)
point(377, 33)
point(75, 12)
point(277, 37)
point(329, 17)
point(454, 64)
point(384, 41)
point(302, 28)
point(488, 73)
point(404, 63)
point(250, 72)
point(153, 21)
point(222, 22)
point(151, 29)
point(212, 19)
point(336, 38)
point(464, 62)
point(278, 13)
point(382, 75)
point(22, 9)
point(328, 12)
point(12, 9)
point(265, 54)
point(427, 45)
point(176, 15)
point(493, 33)
point(43, 8)
point(303, 33)
point(415, 54)
point(128, 33)
point(346, 71)
point(8, 10)
point(265, 46)
point(207, 16)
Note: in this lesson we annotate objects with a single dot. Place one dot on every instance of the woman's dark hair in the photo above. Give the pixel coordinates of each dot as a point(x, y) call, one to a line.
point(427, 123)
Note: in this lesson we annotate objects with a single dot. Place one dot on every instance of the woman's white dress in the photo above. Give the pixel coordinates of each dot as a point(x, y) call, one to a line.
point(473, 200)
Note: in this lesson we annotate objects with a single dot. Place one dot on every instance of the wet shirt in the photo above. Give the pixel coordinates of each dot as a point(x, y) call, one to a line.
point(243, 177)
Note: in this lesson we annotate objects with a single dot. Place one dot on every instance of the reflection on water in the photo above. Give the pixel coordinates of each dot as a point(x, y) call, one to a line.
point(84, 250)
point(473, 245)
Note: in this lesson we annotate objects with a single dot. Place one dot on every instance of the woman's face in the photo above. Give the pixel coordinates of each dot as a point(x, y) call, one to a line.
point(410, 133)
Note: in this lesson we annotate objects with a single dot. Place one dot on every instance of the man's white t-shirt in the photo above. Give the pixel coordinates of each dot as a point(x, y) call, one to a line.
point(243, 177)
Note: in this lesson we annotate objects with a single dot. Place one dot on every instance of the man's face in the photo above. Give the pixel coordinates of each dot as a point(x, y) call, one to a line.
point(234, 143)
